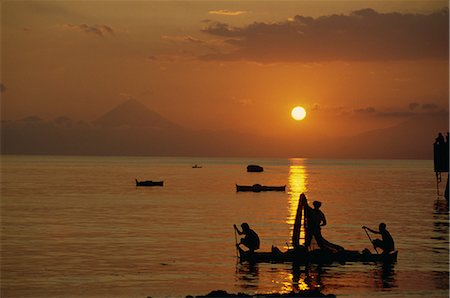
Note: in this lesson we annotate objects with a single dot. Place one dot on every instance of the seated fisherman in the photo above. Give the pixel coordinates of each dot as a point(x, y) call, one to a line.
point(386, 243)
point(251, 239)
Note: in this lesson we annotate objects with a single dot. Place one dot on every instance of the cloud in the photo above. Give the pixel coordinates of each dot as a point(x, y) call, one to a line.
point(368, 110)
point(379, 112)
point(195, 45)
point(183, 38)
point(395, 114)
point(99, 30)
point(226, 12)
point(243, 101)
point(318, 107)
point(363, 35)
point(429, 106)
point(223, 30)
point(399, 112)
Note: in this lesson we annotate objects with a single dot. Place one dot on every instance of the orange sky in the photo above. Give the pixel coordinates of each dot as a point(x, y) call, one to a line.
point(237, 66)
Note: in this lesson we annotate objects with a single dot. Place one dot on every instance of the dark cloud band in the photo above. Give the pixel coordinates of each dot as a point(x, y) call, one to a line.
point(363, 35)
point(99, 30)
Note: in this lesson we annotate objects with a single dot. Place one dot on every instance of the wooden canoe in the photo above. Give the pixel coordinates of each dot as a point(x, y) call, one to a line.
point(259, 188)
point(316, 256)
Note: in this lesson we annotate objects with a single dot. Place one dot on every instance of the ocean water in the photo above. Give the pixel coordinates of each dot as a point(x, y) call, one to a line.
point(78, 226)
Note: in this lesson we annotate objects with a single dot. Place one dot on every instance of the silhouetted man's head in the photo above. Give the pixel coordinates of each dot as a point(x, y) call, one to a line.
point(317, 204)
point(382, 226)
point(245, 226)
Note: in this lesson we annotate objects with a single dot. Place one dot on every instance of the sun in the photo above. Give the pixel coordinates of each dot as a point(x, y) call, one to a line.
point(298, 113)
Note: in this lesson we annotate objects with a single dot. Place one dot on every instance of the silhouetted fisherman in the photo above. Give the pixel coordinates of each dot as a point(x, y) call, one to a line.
point(316, 219)
point(386, 243)
point(251, 239)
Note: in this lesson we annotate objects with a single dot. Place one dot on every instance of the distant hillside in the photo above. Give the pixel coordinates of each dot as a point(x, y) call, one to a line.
point(411, 139)
point(133, 129)
point(133, 113)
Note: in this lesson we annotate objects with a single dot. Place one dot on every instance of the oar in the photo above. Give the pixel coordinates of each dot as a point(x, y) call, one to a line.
point(371, 241)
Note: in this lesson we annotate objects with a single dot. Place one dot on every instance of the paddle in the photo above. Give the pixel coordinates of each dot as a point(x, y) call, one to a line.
point(235, 241)
point(365, 230)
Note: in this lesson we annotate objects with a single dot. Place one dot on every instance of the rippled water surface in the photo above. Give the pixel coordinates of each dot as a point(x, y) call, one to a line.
point(78, 226)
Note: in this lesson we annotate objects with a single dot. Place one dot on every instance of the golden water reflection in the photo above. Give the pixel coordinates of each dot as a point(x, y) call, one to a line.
point(298, 183)
point(298, 279)
point(295, 285)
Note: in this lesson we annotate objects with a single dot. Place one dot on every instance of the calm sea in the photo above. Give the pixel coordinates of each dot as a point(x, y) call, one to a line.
point(78, 226)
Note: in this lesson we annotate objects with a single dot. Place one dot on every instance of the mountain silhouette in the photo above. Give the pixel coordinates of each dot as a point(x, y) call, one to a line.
point(410, 139)
point(134, 114)
point(133, 129)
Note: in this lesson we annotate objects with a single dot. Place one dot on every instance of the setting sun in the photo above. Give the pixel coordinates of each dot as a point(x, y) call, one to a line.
point(298, 113)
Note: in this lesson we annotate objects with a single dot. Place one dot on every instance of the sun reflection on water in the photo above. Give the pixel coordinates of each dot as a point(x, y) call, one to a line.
point(298, 279)
point(294, 285)
point(298, 178)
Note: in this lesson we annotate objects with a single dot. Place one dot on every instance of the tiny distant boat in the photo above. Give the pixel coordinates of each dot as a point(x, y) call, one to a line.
point(196, 166)
point(317, 256)
point(254, 168)
point(149, 183)
point(259, 188)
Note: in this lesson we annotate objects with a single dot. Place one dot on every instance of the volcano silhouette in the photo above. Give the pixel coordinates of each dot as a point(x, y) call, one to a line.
point(134, 114)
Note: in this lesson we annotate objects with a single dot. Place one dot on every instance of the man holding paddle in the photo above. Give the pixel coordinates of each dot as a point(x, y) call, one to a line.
point(386, 243)
point(251, 239)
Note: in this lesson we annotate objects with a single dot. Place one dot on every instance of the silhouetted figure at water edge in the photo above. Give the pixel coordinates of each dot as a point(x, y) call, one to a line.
point(386, 243)
point(446, 151)
point(440, 139)
point(440, 148)
point(441, 159)
point(251, 238)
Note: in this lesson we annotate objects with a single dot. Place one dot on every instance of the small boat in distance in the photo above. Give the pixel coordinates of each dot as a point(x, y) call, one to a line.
point(149, 183)
point(259, 188)
point(254, 168)
point(196, 166)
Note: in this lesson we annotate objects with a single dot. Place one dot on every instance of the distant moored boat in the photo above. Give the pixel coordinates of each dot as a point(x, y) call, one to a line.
point(254, 168)
point(259, 188)
point(149, 183)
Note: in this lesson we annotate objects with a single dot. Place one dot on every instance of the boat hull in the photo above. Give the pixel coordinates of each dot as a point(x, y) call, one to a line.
point(255, 168)
point(315, 257)
point(259, 188)
point(149, 183)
